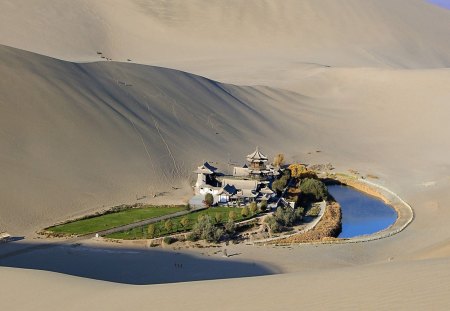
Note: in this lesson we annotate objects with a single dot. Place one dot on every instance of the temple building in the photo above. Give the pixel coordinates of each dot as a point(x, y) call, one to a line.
point(205, 175)
point(246, 184)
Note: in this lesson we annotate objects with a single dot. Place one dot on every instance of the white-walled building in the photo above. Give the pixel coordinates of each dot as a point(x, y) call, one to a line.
point(248, 183)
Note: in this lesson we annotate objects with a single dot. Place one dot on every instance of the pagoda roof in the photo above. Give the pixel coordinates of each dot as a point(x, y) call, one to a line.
point(266, 190)
point(257, 156)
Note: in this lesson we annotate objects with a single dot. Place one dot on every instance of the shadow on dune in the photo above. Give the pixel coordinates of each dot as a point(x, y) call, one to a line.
point(126, 265)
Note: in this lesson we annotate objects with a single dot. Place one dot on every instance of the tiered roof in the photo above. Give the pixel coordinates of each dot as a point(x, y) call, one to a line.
point(256, 156)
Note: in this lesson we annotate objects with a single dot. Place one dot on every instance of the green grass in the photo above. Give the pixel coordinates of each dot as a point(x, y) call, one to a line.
point(115, 219)
point(160, 230)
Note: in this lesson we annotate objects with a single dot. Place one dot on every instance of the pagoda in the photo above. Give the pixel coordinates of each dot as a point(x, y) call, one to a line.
point(257, 164)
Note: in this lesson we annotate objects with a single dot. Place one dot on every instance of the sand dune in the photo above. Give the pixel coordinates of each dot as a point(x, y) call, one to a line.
point(364, 82)
point(82, 136)
point(275, 41)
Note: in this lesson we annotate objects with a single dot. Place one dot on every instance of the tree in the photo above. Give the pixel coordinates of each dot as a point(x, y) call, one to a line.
point(312, 190)
point(185, 222)
point(253, 208)
point(263, 206)
point(278, 160)
point(151, 231)
point(244, 212)
point(209, 199)
point(285, 216)
point(217, 217)
point(232, 215)
point(278, 186)
point(204, 229)
point(168, 225)
point(273, 225)
point(230, 227)
point(297, 169)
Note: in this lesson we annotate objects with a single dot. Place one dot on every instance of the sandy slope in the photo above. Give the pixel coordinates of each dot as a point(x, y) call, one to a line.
point(245, 42)
point(85, 135)
point(74, 138)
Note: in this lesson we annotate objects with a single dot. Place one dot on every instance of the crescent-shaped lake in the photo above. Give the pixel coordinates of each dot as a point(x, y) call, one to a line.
point(362, 214)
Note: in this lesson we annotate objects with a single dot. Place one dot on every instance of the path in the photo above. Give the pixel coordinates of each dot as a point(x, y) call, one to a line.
point(307, 228)
point(142, 223)
point(77, 239)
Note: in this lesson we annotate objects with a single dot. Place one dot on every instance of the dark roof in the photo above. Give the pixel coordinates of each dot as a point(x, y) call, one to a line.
point(230, 189)
point(206, 168)
point(209, 166)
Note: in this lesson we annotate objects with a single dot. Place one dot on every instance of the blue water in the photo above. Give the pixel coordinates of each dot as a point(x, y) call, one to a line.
point(442, 3)
point(361, 214)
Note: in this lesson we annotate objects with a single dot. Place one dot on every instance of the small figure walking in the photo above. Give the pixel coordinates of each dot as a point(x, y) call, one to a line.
point(225, 254)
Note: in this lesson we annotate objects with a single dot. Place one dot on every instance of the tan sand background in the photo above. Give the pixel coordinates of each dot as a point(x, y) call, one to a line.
point(364, 82)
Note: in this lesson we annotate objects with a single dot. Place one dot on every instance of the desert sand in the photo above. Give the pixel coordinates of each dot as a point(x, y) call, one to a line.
point(364, 82)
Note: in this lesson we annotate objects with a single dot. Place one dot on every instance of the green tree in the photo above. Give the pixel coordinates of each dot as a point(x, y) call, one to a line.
point(285, 216)
point(278, 185)
point(244, 212)
point(151, 231)
point(168, 225)
point(230, 227)
point(209, 199)
point(312, 190)
point(204, 229)
point(232, 215)
point(217, 217)
point(263, 206)
point(253, 208)
point(185, 222)
point(272, 223)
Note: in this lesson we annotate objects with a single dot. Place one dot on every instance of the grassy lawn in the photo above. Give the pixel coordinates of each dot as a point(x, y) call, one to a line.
point(115, 219)
point(161, 230)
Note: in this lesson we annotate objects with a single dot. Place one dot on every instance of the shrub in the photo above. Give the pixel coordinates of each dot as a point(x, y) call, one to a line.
point(285, 216)
point(192, 237)
point(168, 225)
point(232, 215)
point(313, 190)
point(151, 231)
point(253, 208)
point(263, 206)
point(204, 229)
point(287, 174)
point(209, 199)
point(230, 227)
point(184, 222)
point(169, 240)
point(217, 217)
point(278, 185)
point(299, 213)
point(314, 212)
point(273, 225)
point(244, 212)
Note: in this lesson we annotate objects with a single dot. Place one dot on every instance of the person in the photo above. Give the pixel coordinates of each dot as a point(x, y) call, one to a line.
point(225, 254)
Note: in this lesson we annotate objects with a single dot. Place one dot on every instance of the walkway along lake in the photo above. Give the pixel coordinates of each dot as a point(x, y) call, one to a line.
point(362, 214)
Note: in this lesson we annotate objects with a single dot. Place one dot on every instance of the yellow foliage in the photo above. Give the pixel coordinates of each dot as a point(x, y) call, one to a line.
point(297, 169)
point(300, 171)
point(278, 160)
